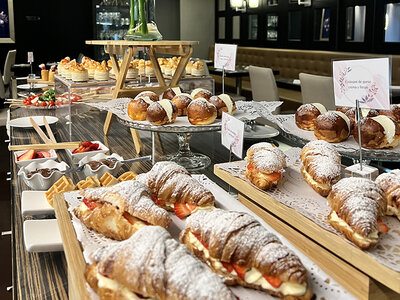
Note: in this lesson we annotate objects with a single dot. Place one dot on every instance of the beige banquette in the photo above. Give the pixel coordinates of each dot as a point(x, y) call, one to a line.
point(291, 62)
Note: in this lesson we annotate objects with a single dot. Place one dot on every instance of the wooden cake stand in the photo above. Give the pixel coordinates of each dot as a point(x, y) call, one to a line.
point(128, 49)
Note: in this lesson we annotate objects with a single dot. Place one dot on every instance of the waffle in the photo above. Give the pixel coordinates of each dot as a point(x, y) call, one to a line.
point(89, 182)
point(108, 180)
point(127, 176)
point(64, 184)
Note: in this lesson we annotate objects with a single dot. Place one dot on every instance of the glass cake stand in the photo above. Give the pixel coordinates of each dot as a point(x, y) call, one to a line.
point(184, 157)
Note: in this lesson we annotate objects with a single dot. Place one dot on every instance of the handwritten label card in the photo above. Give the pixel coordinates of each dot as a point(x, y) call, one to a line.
point(366, 80)
point(30, 57)
point(232, 134)
point(225, 56)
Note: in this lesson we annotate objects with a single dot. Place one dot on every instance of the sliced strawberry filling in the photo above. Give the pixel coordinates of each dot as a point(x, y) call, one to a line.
point(382, 227)
point(90, 204)
point(241, 270)
point(182, 210)
point(157, 201)
point(131, 219)
point(275, 176)
point(274, 281)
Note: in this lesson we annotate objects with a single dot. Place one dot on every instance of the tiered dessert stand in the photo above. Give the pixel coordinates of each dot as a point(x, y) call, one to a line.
point(128, 49)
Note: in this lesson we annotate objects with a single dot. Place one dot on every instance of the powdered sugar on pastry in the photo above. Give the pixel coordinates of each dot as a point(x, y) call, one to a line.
point(265, 157)
point(153, 264)
point(133, 197)
point(237, 237)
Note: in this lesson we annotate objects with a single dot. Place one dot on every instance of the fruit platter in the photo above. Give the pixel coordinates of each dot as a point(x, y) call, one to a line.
point(49, 99)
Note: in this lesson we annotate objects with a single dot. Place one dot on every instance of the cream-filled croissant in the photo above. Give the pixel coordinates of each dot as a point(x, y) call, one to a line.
point(152, 265)
point(120, 210)
point(238, 248)
point(357, 204)
point(265, 165)
point(175, 189)
point(320, 166)
point(390, 183)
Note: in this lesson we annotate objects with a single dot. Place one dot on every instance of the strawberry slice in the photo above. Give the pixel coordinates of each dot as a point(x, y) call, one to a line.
point(45, 154)
point(30, 154)
point(158, 201)
point(94, 147)
point(86, 144)
point(274, 281)
point(273, 176)
point(129, 218)
point(39, 155)
point(200, 240)
point(184, 209)
point(240, 270)
point(250, 167)
point(227, 266)
point(90, 204)
point(382, 227)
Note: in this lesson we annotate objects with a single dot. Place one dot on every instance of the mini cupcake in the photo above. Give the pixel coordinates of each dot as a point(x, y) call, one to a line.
point(189, 67)
point(102, 72)
point(68, 69)
point(133, 71)
point(198, 68)
point(79, 73)
point(62, 64)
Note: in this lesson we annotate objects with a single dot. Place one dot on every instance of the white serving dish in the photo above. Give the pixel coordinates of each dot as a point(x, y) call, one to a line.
point(78, 156)
point(25, 122)
point(38, 181)
point(261, 132)
point(53, 156)
point(103, 168)
point(42, 236)
point(34, 203)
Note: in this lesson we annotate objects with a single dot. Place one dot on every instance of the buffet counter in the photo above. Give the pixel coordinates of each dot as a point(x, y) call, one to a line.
point(43, 275)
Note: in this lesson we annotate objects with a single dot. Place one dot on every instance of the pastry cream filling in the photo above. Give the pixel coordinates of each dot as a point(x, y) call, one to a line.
point(310, 179)
point(177, 90)
point(392, 210)
point(166, 104)
point(252, 276)
point(195, 91)
point(320, 107)
point(109, 221)
point(228, 102)
point(371, 238)
point(364, 112)
point(388, 127)
point(107, 283)
point(147, 99)
point(343, 116)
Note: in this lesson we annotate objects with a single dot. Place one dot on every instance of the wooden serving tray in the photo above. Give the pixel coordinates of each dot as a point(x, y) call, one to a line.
point(332, 242)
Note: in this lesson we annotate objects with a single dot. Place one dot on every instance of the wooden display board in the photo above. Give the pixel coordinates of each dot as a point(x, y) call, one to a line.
point(128, 49)
point(351, 255)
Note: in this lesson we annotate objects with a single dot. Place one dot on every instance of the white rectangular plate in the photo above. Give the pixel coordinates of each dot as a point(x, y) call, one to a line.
point(34, 203)
point(42, 236)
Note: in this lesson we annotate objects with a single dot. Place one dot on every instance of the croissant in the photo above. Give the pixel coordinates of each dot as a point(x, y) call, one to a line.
point(356, 207)
point(151, 264)
point(175, 189)
point(265, 165)
point(390, 183)
point(118, 211)
point(320, 166)
point(238, 248)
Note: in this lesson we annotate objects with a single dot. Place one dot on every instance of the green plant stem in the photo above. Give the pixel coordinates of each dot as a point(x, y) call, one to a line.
point(142, 15)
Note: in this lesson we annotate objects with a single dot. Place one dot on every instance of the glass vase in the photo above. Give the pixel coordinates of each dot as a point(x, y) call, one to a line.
point(142, 26)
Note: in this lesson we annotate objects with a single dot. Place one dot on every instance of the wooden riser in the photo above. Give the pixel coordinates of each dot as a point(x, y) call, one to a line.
point(356, 282)
point(334, 243)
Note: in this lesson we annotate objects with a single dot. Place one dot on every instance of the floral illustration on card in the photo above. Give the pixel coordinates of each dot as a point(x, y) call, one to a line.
point(372, 91)
point(342, 79)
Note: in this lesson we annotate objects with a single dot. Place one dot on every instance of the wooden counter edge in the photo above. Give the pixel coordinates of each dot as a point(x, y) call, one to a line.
point(73, 252)
point(329, 240)
point(356, 282)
